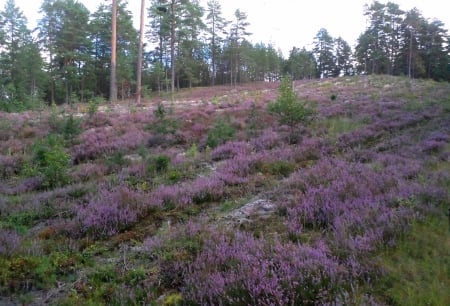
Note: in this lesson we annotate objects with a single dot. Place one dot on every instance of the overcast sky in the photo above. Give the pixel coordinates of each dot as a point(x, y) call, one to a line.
point(286, 23)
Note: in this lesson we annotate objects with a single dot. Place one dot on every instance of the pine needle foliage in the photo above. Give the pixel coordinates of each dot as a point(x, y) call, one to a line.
point(288, 107)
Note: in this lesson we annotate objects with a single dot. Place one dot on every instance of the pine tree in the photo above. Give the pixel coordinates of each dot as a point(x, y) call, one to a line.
point(64, 35)
point(21, 75)
point(343, 54)
point(290, 110)
point(301, 64)
point(216, 29)
point(159, 34)
point(190, 49)
point(126, 50)
point(238, 34)
point(323, 50)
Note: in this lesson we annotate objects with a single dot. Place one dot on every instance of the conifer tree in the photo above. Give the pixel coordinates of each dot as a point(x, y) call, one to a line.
point(216, 29)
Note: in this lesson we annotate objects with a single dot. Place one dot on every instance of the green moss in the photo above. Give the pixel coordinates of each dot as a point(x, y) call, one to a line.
point(25, 273)
point(173, 299)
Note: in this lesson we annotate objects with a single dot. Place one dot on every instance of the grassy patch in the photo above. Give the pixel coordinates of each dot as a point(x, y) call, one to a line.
point(279, 168)
point(418, 270)
point(340, 125)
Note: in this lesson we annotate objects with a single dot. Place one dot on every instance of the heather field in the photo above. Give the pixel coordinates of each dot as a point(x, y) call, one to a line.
point(223, 197)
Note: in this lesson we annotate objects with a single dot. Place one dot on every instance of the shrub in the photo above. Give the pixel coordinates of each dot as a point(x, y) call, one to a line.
point(110, 213)
point(160, 111)
point(278, 167)
point(253, 122)
point(9, 165)
point(93, 105)
point(231, 149)
point(10, 240)
point(116, 160)
point(163, 125)
point(99, 141)
point(220, 133)
point(159, 164)
point(289, 109)
point(243, 270)
point(51, 162)
point(71, 128)
point(192, 151)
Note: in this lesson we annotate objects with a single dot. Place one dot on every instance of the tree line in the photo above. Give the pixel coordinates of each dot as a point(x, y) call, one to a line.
point(67, 57)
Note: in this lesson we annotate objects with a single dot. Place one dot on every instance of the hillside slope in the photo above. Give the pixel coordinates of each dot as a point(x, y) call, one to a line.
point(210, 201)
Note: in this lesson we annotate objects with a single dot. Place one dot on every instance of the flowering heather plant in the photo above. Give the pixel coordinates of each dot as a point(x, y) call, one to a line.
point(26, 185)
point(232, 173)
point(361, 137)
point(9, 165)
point(10, 241)
point(12, 146)
point(99, 119)
point(88, 171)
point(200, 190)
point(110, 213)
point(206, 189)
point(96, 142)
point(350, 200)
point(397, 121)
point(231, 149)
point(309, 149)
point(170, 196)
point(435, 142)
point(397, 166)
point(198, 130)
point(269, 139)
point(239, 269)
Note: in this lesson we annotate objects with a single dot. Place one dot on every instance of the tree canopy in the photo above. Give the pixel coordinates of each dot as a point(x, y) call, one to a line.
point(67, 58)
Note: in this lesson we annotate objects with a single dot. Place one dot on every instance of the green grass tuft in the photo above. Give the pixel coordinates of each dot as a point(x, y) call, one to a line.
point(418, 270)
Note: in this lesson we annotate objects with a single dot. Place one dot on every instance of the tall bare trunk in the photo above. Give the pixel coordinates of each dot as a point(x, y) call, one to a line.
point(113, 81)
point(172, 46)
point(139, 61)
point(410, 55)
point(213, 47)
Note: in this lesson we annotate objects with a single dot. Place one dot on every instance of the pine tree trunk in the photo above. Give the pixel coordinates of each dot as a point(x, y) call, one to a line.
point(113, 81)
point(139, 61)
point(172, 47)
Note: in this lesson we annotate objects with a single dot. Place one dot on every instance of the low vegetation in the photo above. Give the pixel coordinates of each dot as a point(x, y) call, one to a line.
point(117, 205)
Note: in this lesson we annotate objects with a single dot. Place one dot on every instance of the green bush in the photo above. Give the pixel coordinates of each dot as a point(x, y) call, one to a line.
point(192, 151)
point(94, 104)
point(51, 162)
point(160, 111)
point(279, 167)
point(288, 107)
point(116, 160)
point(159, 164)
point(254, 122)
point(163, 125)
point(220, 133)
point(55, 121)
point(71, 128)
